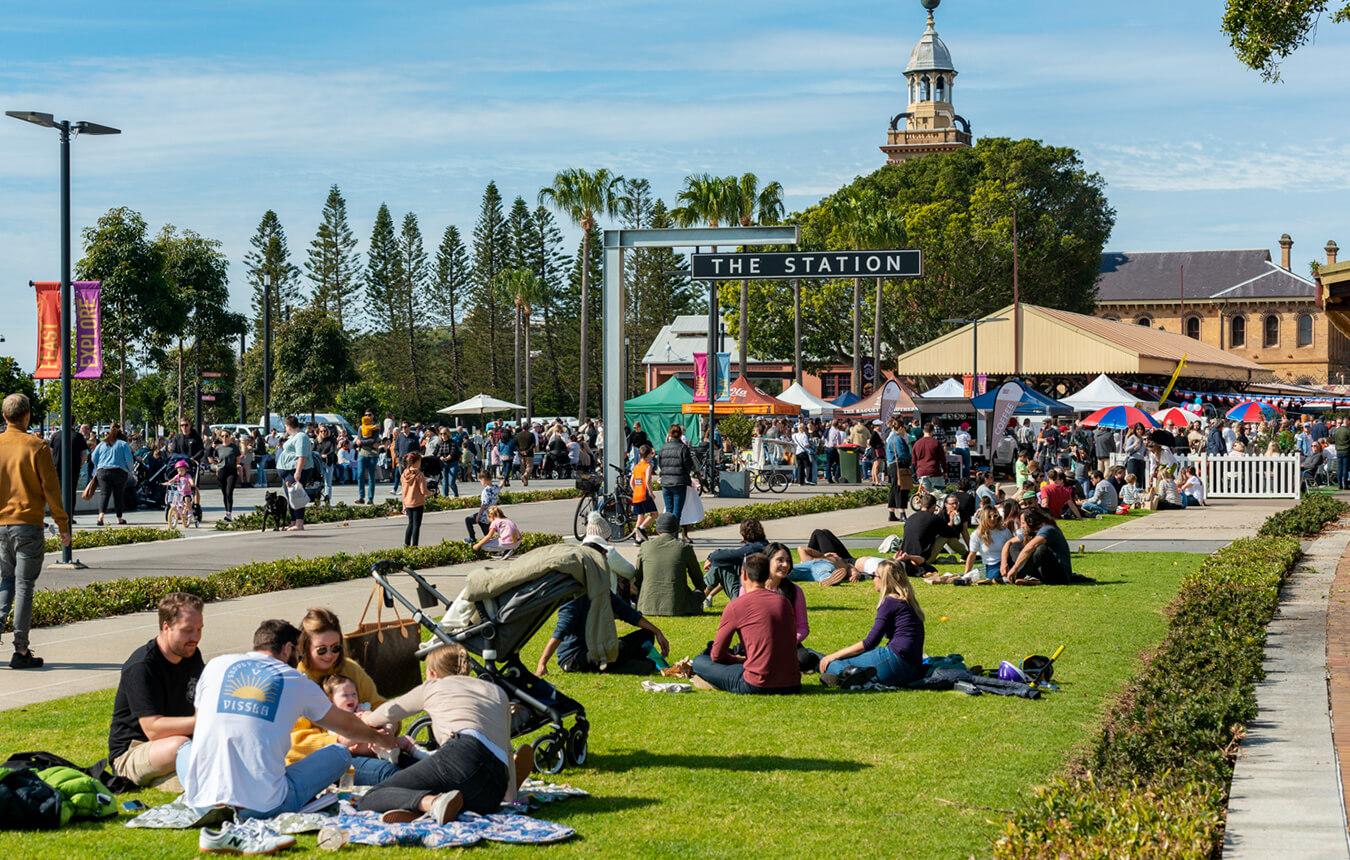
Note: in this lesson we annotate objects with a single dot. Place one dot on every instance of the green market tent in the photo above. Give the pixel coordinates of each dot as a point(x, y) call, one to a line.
point(660, 408)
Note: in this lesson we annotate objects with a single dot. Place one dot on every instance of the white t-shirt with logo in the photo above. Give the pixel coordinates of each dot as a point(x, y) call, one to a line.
point(247, 705)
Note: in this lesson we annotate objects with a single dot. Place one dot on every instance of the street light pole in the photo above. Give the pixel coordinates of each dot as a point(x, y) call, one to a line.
point(65, 127)
point(975, 346)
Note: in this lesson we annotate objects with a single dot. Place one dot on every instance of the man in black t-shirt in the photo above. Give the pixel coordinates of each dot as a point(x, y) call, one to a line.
point(927, 532)
point(153, 712)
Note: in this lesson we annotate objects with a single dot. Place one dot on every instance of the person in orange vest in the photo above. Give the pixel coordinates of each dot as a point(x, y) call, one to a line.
point(643, 503)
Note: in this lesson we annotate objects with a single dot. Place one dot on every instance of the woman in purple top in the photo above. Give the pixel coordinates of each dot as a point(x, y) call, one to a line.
point(900, 620)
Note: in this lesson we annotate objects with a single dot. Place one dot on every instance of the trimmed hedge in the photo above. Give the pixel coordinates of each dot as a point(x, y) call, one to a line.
point(715, 517)
point(114, 537)
point(1160, 770)
point(124, 596)
point(394, 507)
point(1305, 519)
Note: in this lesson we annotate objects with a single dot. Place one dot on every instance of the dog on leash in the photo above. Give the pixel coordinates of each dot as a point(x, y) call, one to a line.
point(274, 508)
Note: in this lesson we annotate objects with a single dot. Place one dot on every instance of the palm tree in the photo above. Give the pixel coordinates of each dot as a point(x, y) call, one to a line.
point(751, 205)
point(851, 210)
point(581, 195)
point(526, 292)
point(884, 229)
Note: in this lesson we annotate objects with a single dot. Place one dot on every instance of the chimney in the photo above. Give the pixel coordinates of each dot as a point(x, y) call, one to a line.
point(1331, 250)
point(1285, 244)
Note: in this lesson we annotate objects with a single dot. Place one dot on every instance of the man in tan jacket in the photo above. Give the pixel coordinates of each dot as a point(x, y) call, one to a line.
point(28, 487)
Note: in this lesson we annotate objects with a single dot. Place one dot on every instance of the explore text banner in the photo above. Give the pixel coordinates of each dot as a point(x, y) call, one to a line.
point(88, 357)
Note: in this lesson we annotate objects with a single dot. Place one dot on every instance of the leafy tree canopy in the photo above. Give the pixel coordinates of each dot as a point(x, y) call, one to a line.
point(1264, 33)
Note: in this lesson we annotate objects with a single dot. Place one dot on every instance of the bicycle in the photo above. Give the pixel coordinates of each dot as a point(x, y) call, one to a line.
point(615, 507)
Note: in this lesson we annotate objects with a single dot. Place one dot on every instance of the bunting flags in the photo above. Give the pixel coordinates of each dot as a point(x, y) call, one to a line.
point(1284, 401)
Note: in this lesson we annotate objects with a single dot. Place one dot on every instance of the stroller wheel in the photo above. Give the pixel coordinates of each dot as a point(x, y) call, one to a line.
point(550, 752)
point(421, 733)
point(578, 743)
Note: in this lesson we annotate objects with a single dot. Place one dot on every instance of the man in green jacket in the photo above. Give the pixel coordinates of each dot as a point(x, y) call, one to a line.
point(664, 563)
point(1341, 437)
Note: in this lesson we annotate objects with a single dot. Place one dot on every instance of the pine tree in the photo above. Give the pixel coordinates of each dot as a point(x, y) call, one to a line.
point(269, 265)
point(488, 316)
point(411, 298)
point(333, 266)
point(384, 270)
point(545, 256)
point(519, 230)
point(449, 286)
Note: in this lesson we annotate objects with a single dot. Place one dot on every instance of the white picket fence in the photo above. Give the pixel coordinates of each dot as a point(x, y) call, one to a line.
point(1242, 476)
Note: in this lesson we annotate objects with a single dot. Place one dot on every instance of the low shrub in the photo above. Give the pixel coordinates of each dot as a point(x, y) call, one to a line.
point(114, 537)
point(1159, 772)
point(394, 507)
point(124, 596)
point(1305, 519)
point(715, 517)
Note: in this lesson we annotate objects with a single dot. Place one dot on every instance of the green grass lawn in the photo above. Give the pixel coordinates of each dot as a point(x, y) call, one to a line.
point(828, 773)
point(1073, 529)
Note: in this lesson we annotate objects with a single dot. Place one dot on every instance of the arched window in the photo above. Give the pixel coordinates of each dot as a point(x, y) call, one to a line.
point(1237, 332)
point(941, 90)
point(1305, 333)
point(1112, 318)
point(913, 89)
point(925, 89)
point(1144, 321)
point(1193, 327)
point(1270, 328)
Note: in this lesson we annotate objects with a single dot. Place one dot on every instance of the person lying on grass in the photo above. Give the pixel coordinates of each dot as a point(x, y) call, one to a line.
point(474, 767)
point(764, 621)
point(569, 634)
point(900, 619)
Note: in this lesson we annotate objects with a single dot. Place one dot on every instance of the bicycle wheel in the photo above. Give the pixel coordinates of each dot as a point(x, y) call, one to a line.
point(762, 482)
point(584, 508)
point(778, 482)
point(619, 514)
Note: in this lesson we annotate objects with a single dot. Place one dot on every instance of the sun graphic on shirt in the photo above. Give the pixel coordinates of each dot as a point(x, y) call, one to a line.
point(248, 685)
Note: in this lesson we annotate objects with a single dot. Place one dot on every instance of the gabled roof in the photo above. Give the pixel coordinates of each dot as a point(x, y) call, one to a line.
point(1143, 276)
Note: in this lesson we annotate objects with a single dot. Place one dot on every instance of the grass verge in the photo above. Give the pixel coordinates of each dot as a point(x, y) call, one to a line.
point(114, 537)
point(394, 507)
point(912, 774)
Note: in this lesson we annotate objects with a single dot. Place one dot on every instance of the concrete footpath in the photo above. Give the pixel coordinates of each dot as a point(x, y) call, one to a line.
point(1286, 798)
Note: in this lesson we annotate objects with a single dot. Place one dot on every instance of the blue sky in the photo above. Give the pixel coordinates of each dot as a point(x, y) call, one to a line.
point(235, 108)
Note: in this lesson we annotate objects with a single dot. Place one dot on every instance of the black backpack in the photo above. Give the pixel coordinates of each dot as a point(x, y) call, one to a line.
point(26, 802)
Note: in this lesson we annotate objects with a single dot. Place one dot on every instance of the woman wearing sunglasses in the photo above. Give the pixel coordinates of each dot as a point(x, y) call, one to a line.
point(321, 655)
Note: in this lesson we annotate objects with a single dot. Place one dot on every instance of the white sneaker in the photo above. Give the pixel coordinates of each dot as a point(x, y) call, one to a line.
point(248, 838)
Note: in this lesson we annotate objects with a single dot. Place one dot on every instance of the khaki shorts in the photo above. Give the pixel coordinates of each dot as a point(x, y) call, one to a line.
point(134, 765)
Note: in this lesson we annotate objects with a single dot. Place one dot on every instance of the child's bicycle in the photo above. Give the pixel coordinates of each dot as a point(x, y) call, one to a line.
point(179, 507)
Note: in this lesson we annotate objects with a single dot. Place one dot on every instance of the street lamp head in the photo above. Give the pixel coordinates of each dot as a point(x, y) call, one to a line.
point(95, 128)
point(43, 119)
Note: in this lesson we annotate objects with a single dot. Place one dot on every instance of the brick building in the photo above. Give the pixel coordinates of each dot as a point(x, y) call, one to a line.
point(1237, 300)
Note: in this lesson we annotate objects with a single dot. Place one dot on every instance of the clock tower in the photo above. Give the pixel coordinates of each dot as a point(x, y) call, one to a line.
point(930, 123)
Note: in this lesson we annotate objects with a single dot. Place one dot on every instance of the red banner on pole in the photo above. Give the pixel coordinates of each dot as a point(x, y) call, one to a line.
point(49, 330)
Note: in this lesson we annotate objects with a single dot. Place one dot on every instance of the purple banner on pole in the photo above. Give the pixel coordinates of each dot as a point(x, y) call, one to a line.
point(88, 362)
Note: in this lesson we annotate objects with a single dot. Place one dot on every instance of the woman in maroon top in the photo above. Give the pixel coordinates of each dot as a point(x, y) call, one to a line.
point(765, 622)
point(900, 620)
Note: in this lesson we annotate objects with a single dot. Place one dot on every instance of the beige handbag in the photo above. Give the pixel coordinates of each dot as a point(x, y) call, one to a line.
point(89, 489)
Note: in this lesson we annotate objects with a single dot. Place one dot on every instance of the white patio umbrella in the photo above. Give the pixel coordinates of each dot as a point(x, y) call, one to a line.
point(479, 404)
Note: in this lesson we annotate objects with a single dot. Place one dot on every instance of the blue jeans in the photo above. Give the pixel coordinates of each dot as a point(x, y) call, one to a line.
point(365, 475)
point(731, 677)
point(452, 478)
point(370, 770)
point(811, 571)
point(1342, 470)
point(1094, 508)
point(304, 779)
point(891, 670)
point(21, 550)
point(327, 472)
point(675, 499)
point(964, 454)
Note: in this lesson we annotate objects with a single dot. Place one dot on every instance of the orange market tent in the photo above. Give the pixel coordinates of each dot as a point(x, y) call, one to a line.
point(745, 398)
point(870, 406)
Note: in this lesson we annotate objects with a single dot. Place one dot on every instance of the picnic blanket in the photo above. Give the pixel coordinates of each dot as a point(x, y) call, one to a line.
point(365, 828)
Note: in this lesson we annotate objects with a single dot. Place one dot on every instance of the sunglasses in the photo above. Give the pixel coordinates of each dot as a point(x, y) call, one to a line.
point(324, 650)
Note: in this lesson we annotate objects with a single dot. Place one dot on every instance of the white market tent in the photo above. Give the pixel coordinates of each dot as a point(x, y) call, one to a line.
point(479, 404)
point(810, 404)
point(949, 390)
point(1101, 393)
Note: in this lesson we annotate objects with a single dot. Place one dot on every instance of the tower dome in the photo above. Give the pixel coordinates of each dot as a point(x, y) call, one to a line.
point(930, 54)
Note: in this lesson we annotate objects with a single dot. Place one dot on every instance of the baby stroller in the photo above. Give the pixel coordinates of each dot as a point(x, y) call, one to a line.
point(502, 625)
point(432, 468)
